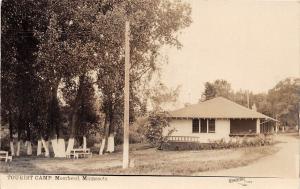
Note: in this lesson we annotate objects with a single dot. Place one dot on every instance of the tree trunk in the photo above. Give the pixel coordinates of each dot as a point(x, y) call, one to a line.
point(58, 146)
point(71, 140)
point(72, 132)
point(28, 141)
point(104, 140)
point(106, 134)
point(74, 117)
point(29, 148)
point(57, 140)
point(54, 111)
point(70, 145)
point(111, 143)
point(102, 147)
point(19, 140)
point(11, 143)
point(54, 146)
point(84, 142)
point(18, 148)
point(39, 148)
point(110, 140)
point(12, 148)
point(11, 137)
point(46, 147)
point(61, 148)
point(73, 124)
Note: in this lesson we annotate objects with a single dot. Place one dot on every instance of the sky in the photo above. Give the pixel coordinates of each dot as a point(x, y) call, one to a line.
point(251, 44)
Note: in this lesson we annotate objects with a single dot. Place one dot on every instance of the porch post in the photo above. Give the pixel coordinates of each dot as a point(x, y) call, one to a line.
point(257, 126)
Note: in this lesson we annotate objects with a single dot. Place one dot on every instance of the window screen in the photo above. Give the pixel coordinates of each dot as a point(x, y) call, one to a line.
point(203, 126)
point(195, 125)
point(211, 126)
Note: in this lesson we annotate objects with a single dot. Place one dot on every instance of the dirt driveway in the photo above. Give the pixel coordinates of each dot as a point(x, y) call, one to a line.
point(283, 164)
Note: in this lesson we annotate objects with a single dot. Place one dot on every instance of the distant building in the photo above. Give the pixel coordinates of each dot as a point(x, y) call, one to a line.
point(216, 119)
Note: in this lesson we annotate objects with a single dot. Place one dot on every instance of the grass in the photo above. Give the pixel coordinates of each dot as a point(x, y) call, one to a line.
point(195, 164)
point(144, 161)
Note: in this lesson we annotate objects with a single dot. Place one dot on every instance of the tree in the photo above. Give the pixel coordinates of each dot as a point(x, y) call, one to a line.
point(218, 88)
point(66, 51)
point(160, 96)
point(281, 102)
point(223, 88)
point(209, 92)
point(284, 99)
point(18, 72)
point(64, 44)
point(153, 24)
point(85, 118)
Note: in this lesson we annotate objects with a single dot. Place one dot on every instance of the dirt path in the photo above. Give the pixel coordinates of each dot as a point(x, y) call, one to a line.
point(283, 164)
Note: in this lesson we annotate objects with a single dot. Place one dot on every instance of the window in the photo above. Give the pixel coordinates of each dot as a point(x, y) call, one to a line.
point(195, 125)
point(203, 126)
point(211, 126)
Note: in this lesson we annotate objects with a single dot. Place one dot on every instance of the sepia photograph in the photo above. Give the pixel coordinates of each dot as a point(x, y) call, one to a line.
point(171, 93)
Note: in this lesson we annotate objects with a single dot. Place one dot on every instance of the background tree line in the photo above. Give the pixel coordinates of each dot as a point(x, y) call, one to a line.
point(280, 102)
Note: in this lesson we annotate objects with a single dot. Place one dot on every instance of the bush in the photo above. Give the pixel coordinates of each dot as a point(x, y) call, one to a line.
point(153, 129)
point(136, 131)
point(182, 146)
point(136, 134)
point(235, 142)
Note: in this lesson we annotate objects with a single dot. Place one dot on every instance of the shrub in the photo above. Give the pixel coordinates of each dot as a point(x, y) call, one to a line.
point(153, 129)
point(136, 131)
point(182, 146)
point(236, 142)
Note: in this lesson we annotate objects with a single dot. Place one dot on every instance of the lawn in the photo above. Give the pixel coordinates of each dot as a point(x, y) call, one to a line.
point(144, 161)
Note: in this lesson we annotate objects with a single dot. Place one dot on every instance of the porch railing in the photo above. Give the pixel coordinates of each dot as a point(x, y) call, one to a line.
point(183, 139)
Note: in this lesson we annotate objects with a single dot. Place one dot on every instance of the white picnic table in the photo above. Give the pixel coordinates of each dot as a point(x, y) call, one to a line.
point(79, 153)
point(4, 155)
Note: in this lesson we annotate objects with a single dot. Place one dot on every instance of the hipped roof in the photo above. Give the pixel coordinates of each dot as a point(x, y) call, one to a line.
point(218, 107)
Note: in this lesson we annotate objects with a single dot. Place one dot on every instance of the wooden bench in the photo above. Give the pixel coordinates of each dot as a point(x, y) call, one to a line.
point(4, 155)
point(84, 154)
point(79, 153)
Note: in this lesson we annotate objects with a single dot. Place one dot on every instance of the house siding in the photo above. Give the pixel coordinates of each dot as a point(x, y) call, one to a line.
point(183, 127)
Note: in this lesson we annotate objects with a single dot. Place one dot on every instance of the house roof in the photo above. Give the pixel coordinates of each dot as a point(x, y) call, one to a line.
point(218, 107)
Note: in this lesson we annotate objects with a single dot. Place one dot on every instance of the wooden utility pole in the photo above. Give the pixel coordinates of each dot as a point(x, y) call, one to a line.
point(248, 100)
point(126, 98)
point(276, 124)
point(299, 118)
point(0, 135)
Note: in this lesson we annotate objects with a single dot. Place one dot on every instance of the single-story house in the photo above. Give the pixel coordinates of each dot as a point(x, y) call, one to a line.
point(216, 119)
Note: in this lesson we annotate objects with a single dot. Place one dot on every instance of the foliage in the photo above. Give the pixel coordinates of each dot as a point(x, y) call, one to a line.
point(209, 92)
point(236, 142)
point(20, 85)
point(136, 131)
point(47, 47)
point(284, 100)
point(152, 25)
point(81, 108)
point(281, 102)
point(160, 96)
point(154, 128)
point(217, 88)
